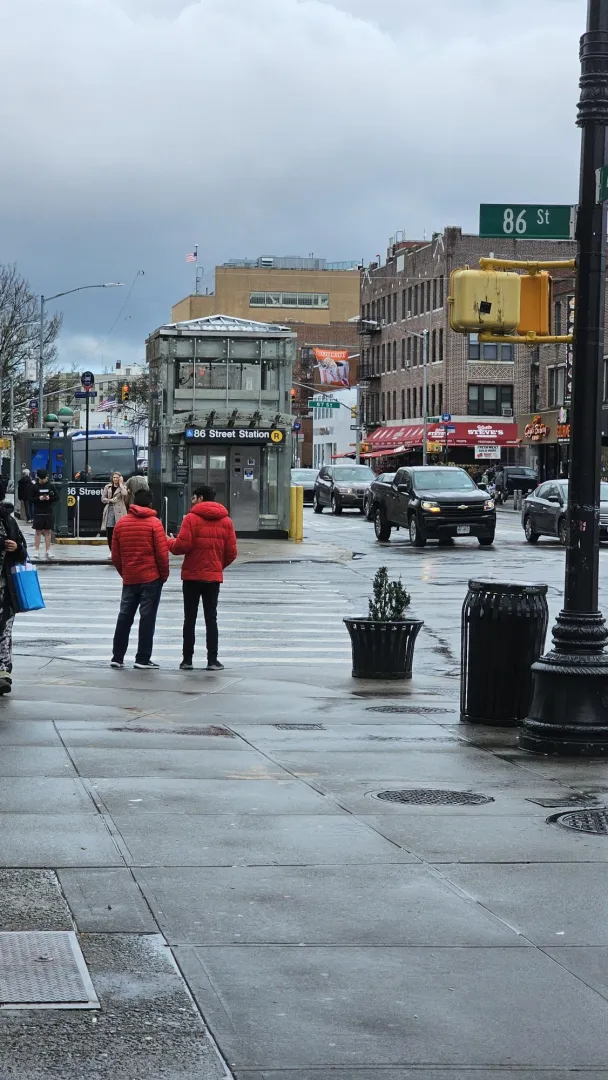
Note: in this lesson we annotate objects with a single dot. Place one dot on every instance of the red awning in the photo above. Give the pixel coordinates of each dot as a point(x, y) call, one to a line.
point(464, 433)
point(378, 453)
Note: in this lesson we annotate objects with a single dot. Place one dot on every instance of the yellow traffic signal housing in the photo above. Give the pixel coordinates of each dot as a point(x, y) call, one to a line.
point(353, 412)
point(535, 307)
point(484, 300)
point(125, 392)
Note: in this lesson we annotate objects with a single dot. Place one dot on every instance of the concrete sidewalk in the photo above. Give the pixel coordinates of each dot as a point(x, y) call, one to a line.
point(235, 826)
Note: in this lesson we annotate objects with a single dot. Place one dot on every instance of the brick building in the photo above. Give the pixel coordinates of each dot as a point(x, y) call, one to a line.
point(485, 387)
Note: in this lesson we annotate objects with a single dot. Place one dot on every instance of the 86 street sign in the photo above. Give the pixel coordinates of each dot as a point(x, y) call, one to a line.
point(527, 222)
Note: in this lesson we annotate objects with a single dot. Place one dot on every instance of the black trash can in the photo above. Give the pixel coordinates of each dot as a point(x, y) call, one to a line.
point(504, 625)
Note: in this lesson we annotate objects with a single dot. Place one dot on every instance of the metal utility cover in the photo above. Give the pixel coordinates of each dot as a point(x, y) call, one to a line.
point(44, 970)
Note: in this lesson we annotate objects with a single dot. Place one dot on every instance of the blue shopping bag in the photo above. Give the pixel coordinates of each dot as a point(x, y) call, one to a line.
point(27, 594)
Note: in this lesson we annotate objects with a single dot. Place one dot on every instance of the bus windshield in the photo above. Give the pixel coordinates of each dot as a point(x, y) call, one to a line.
point(106, 455)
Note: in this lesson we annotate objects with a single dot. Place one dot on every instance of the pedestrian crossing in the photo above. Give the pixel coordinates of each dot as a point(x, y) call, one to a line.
point(263, 619)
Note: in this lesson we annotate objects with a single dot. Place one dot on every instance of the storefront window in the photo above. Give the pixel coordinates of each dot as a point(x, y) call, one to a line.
point(210, 375)
point(270, 483)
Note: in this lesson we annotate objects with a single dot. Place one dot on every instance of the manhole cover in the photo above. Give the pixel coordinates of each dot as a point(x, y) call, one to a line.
point(584, 799)
point(431, 797)
point(299, 727)
point(587, 821)
point(407, 709)
point(44, 970)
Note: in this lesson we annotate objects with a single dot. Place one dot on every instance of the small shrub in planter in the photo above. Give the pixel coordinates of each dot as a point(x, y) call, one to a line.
point(383, 643)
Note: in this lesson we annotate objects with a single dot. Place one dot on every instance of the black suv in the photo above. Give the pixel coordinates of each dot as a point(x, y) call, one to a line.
point(515, 477)
point(435, 502)
point(342, 487)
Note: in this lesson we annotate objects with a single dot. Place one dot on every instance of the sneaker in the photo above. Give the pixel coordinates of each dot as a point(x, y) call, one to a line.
point(116, 664)
point(186, 665)
point(215, 666)
point(6, 684)
point(35, 556)
point(49, 556)
point(150, 666)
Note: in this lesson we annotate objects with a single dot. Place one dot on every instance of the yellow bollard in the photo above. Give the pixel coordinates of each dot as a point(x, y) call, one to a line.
point(299, 514)
point(292, 512)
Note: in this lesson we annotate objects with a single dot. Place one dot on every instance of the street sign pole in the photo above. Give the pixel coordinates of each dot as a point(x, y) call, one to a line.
point(569, 710)
point(425, 411)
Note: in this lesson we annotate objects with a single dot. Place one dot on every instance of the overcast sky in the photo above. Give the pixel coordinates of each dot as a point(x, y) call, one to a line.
point(133, 129)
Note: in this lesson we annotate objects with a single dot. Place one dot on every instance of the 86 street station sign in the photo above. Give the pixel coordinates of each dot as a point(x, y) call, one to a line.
point(251, 436)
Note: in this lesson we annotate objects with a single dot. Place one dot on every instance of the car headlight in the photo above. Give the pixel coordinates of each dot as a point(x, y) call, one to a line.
point(488, 504)
point(433, 507)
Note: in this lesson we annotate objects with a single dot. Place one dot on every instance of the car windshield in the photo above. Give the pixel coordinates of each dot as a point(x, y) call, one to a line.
point(299, 475)
point(521, 471)
point(386, 477)
point(603, 490)
point(443, 480)
point(357, 473)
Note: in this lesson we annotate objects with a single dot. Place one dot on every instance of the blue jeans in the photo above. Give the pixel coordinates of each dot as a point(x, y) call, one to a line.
point(146, 598)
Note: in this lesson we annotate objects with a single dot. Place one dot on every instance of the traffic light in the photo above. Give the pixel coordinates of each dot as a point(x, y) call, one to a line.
point(125, 391)
point(536, 303)
point(353, 412)
point(484, 300)
point(292, 393)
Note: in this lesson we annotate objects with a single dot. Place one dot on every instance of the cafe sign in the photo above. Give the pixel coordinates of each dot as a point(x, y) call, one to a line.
point(536, 430)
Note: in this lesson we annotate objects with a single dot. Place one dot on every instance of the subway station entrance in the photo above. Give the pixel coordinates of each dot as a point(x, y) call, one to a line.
point(235, 473)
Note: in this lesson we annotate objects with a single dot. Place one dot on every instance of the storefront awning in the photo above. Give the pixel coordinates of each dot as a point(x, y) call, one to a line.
point(393, 440)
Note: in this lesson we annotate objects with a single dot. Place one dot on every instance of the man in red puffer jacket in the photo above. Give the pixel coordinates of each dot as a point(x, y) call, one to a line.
point(208, 540)
point(141, 555)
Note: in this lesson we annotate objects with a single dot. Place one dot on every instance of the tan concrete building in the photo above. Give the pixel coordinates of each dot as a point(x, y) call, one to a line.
point(278, 289)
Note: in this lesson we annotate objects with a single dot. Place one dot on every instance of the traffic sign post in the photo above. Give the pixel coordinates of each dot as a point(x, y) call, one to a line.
point(446, 417)
point(527, 222)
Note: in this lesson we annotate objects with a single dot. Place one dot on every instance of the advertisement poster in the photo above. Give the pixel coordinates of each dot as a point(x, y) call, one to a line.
point(333, 366)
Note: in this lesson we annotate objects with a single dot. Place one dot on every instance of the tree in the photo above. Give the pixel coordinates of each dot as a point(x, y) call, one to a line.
point(20, 341)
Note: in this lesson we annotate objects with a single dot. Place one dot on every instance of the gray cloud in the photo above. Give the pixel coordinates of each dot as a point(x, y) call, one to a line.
point(133, 129)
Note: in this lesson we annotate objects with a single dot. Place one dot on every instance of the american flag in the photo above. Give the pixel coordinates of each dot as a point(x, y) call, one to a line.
point(105, 406)
point(193, 256)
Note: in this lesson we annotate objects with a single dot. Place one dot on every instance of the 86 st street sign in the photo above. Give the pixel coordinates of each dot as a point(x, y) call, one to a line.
point(527, 222)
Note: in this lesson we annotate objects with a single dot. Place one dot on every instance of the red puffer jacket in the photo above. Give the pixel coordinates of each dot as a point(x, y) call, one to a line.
point(139, 547)
point(208, 540)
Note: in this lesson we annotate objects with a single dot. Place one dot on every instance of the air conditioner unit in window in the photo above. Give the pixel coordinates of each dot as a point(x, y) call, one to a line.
point(507, 410)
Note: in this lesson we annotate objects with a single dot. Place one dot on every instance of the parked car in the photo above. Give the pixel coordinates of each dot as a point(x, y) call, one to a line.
point(305, 478)
point(369, 499)
point(515, 478)
point(435, 502)
point(342, 487)
point(543, 512)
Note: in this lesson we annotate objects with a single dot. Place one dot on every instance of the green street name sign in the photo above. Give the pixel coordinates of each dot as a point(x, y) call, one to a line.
point(527, 222)
point(317, 403)
point(601, 177)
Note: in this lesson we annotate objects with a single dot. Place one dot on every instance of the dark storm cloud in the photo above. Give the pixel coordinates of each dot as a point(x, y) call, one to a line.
point(133, 129)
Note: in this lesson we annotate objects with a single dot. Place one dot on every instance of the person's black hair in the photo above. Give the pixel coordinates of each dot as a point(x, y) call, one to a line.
point(143, 498)
point(42, 474)
point(3, 488)
point(204, 492)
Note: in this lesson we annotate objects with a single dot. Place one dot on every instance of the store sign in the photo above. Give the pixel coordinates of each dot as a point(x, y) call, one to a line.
point(487, 453)
point(563, 432)
point(252, 436)
point(536, 430)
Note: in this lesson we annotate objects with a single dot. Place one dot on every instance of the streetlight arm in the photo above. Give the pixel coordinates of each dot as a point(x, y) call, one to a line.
point(68, 292)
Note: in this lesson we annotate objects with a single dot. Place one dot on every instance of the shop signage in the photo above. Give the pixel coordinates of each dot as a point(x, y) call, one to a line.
point(487, 453)
point(563, 432)
point(252, 436)
point(536, 430)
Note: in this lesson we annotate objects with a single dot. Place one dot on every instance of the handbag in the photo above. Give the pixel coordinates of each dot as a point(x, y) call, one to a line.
point(26, 591)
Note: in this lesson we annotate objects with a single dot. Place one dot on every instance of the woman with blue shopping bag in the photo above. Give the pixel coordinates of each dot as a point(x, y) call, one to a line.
point(13, 551)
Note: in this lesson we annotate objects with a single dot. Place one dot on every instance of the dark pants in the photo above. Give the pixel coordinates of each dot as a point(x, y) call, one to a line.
point(146, 598)
point(208, 592)
point(109, 535)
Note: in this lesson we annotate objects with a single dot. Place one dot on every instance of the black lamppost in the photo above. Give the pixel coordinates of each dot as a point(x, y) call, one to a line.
point(569, 711)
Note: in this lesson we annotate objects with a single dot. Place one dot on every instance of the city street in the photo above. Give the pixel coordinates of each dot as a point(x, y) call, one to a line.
point(220, 844)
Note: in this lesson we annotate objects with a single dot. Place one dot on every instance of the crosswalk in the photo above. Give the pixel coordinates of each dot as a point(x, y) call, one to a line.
point(263, 619)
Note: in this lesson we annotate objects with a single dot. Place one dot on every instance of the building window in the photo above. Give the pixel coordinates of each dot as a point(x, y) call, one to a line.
point(395, 298)
point(488, 400)
point(440, 292)
point(373, 310)
point(409, 352)
point(394, 355)
point(403, 304)
point(556, 383)
point(434, 346)
point(394, 404)
point(428, 295)
point(440, 401)
point(440, 346)
point(403, 354)
point(409, 404)
point(383, 309)
point(490, 351)
point(415, 356)
point(409, 301)
point(383, 415)
point(433, 392)
point(403, 404)
point(288, 300)
point(388, 406)
point(434, 293)
point(415, 312)
point(557, 318)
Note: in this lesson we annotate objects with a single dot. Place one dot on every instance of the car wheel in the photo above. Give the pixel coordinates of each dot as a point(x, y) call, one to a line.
point(316, 505)
point(336, 507)
point(382, 527)
point(486, 541)
point(530, 535)
point(562, 532)
point(369, 511)
point(417, 538)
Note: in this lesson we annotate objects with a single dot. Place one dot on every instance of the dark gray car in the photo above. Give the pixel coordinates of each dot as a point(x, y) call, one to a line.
point(342, 487)
point(543, 512)
point(305, 478)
